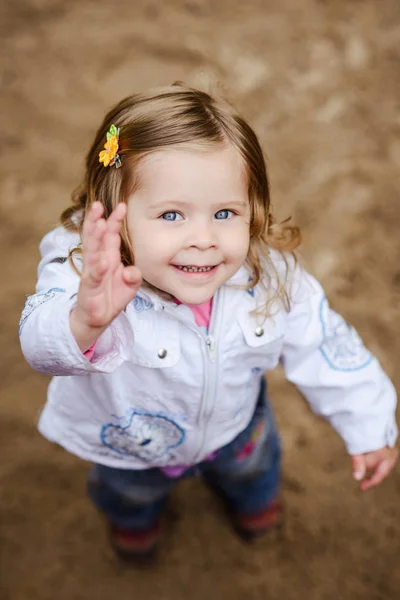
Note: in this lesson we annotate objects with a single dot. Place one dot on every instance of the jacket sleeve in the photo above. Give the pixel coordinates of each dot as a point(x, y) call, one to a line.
point(326, 359)
point(46, 339)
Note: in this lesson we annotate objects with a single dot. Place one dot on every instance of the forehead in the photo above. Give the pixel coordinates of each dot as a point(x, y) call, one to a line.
point(193, 171)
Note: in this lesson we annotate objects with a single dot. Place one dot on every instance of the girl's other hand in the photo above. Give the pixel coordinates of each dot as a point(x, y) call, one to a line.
point(372, 468)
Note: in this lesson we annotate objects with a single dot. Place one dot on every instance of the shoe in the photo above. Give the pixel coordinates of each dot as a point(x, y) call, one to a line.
point(251, 526)
point(133, 544)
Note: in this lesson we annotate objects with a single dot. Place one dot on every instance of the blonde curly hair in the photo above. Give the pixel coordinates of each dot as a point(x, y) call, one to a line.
point(180, 115)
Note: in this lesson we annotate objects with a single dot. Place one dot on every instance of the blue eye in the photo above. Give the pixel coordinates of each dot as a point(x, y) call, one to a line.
point(223, 214)
point(171, 216)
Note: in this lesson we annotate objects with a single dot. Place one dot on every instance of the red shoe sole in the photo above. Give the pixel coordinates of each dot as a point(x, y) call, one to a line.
point(252, 526)
point(135, 545)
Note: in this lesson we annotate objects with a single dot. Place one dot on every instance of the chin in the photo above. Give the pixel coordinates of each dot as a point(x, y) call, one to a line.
point(194, 299)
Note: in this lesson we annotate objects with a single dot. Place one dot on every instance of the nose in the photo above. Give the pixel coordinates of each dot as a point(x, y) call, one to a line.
point(202, 236)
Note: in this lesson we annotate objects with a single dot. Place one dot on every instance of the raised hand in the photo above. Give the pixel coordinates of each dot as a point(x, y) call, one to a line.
point(106, 285)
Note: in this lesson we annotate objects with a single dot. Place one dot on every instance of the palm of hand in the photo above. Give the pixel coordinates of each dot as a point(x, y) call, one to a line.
point(106, 286)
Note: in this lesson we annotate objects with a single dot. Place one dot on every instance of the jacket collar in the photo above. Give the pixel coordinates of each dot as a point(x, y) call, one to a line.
point(240, 278)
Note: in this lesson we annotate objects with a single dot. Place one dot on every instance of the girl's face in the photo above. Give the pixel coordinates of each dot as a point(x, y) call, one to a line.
point(189, 221)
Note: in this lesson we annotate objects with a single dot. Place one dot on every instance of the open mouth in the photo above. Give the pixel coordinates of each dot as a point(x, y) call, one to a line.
point(194, 269)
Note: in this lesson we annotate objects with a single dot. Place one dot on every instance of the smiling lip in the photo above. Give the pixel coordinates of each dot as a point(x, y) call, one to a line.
point(194, 271)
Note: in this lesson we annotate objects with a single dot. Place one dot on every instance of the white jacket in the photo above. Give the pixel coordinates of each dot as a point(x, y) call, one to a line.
point(159, 391)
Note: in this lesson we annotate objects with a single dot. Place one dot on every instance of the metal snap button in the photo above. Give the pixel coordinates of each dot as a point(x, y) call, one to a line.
point(259, 331)
point(162, 353)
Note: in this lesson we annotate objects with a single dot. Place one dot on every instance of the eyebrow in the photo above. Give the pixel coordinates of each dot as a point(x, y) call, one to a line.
point(180, 203)
point(171, 202)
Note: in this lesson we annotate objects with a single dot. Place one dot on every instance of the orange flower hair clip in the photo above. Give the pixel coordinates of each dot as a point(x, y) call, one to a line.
point(110, 156)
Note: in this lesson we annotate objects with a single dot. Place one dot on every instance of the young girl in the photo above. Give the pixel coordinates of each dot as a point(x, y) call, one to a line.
point(163, 298)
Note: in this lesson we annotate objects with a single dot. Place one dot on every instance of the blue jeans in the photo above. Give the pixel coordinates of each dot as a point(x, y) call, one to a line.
point(245, 473)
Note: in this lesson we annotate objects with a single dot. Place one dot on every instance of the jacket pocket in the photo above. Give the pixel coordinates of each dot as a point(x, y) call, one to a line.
point(156, 343)
point(260, 334)
point(259, 343)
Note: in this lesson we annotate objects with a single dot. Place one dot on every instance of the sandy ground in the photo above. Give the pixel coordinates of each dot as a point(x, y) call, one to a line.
point(319, 81)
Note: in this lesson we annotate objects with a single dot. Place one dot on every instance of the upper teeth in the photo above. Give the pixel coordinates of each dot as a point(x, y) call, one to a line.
point(192, 269)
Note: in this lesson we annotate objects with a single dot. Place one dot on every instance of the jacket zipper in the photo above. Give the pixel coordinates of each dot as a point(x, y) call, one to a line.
point(210, 363)
point(210, 359)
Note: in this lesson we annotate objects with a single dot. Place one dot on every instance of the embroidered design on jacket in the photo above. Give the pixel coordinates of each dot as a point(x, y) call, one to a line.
point(140, 304)
point(148, 436)
point(59, 260)
point(36, 300)
point(251, 291)
point(342, 347)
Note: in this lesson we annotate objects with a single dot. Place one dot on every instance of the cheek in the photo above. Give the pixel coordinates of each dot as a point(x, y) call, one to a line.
point(152, 247)
point(239, 241)
point(143, 250)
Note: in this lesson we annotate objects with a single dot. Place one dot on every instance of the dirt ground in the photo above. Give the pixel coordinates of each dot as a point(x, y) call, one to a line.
point(319, 81)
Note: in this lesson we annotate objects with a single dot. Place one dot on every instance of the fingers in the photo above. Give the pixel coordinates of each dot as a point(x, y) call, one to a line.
point(93, 221)
point(116, 218)
point(373, 467)
point(94, 263)
point(359, 466)
point(99, 237)
point(93, 231)
point(90, 223)
point(380, 473)
point(132, 276)
point(111, 239)
point(95, 271)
